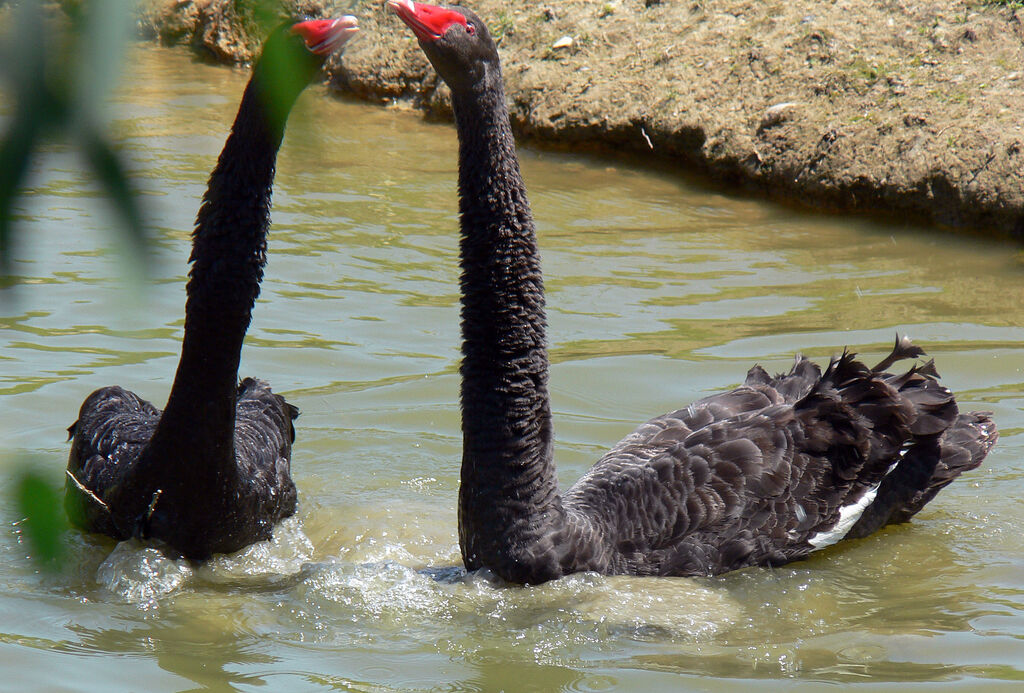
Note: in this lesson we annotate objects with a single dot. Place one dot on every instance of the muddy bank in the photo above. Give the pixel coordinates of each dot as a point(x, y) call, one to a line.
point(909, 108)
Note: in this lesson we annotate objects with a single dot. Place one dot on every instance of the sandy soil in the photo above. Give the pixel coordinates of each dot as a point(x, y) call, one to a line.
point(912, 109)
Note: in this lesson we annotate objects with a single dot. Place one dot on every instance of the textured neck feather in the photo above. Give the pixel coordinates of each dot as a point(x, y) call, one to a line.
point(509, 492)
point(228, 255)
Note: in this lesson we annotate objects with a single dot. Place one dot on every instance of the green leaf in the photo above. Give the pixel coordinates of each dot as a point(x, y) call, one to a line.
point(259, 16)
point(100, 38)
point(39, 503)
point(111, 175)
point(60, 73)
point(15, 154)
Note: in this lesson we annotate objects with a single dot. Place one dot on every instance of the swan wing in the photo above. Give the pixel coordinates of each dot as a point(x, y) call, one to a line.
point(264, 434)
point(776, 469)
point(114, 425)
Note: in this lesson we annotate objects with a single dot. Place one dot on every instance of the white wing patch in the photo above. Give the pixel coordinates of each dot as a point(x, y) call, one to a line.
point(848, 515)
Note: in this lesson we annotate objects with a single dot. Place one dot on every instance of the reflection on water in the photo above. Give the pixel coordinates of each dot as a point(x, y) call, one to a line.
point(659, 293)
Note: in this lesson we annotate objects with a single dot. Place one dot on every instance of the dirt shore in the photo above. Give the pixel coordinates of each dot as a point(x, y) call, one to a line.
point(912, 109)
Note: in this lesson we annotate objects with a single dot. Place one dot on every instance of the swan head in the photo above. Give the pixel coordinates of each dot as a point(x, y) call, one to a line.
point(291, 57)
point(455, 40)
point(295, 51)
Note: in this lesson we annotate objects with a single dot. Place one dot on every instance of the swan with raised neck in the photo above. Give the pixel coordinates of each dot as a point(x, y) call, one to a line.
point(211, 473)
point(761, 475)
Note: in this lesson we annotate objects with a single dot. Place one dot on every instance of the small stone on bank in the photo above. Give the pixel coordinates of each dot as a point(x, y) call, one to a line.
point(775, 115)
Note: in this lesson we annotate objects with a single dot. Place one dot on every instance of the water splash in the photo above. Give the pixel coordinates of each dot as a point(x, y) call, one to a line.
point(660, 607)
point(140, 573)
point(552, 623)
point(285, 554)
point(387, 592)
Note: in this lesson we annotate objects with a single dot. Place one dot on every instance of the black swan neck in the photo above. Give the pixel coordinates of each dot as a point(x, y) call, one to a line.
point(228, 255)
point(509, 489)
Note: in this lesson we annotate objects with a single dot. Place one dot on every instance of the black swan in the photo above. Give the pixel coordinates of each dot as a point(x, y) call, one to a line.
point(761, 475)
point(211, 474)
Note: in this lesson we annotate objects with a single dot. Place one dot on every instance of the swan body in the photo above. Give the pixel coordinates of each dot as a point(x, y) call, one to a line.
point(764, 474)
point(211, 472)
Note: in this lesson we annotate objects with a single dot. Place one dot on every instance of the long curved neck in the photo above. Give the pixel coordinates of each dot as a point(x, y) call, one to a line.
point(509, 489)
point(228, 254)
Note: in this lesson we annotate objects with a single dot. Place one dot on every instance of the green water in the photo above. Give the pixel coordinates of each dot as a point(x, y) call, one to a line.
point(659, 293)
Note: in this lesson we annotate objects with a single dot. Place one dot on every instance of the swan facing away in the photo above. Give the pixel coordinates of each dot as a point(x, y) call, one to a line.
point(762, 475)
point(211, 474)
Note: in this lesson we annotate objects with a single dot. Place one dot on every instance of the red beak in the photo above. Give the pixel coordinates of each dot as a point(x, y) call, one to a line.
point(428, 22)
point(324, 36)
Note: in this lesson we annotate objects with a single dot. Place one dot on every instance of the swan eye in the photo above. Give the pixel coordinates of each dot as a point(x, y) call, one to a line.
point(470, 29)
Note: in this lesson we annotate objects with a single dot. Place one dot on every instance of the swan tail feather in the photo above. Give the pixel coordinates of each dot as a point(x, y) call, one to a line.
point(903, 349)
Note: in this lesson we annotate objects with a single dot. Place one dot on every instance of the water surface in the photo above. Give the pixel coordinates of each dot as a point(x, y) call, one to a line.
point(659, 293)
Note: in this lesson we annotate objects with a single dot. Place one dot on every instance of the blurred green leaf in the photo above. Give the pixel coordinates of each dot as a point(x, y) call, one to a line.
point(259, 16)
point(61, 69)
point(44, 523)
point(99, 38)
point(110, 172)
point(15, 153)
